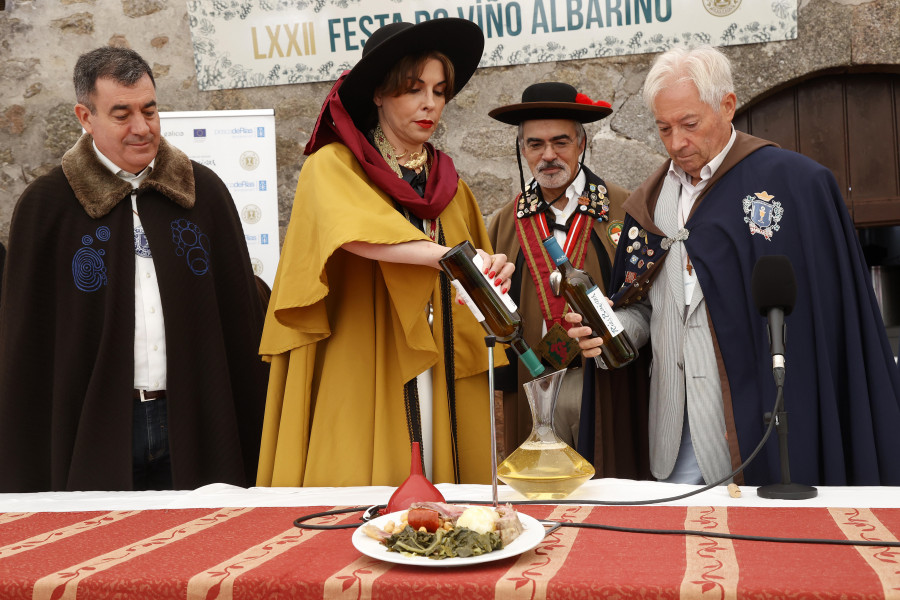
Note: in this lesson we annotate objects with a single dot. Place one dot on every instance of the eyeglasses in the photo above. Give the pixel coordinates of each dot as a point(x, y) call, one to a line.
point(539, 146)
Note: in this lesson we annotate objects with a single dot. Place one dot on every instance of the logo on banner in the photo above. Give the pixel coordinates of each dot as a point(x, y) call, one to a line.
point(242, 186)
point(763, 214)
point(257, 266)
point(260, 132)
point(251, 214)
point(262, 185)
point(249, 160)
point(236, 132)
point(200, 133)
point(721, 8)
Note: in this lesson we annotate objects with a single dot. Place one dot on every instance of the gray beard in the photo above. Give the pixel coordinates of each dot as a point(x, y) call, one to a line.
point(556, 180)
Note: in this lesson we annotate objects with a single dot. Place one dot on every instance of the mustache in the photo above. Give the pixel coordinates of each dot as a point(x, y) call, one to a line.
point(138, 139)
point(553, 164)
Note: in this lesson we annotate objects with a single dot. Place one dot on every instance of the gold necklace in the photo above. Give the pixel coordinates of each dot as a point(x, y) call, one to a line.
point(389, 153)
point(416, 160)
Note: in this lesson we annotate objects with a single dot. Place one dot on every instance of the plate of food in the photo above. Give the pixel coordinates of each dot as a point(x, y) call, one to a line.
point(435, 534)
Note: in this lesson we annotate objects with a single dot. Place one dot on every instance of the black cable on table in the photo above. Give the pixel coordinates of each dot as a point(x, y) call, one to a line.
point(301, 521)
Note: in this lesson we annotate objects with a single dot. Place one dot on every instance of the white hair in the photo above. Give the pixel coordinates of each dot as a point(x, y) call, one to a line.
point(705, 66)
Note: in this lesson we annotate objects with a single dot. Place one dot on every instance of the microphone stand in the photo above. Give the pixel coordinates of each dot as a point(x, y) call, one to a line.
point(784, 490)
point(489, 341)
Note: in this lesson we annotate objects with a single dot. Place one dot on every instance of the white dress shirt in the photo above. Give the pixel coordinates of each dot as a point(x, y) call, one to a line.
point(689, 193)
point(149, 326)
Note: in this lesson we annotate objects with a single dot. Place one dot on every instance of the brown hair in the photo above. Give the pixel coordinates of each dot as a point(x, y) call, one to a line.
point(409, 68)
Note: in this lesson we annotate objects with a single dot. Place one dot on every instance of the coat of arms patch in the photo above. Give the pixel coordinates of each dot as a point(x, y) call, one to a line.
point(763, 213)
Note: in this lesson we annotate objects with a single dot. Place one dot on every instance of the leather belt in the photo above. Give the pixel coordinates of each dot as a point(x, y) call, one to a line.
point(144, 395)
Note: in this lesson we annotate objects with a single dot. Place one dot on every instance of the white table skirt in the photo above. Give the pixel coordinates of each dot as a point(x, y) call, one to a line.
point(222, 495)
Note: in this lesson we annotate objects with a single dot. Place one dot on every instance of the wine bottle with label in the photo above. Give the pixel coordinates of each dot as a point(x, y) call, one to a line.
point(496, 312)
point(585, 298)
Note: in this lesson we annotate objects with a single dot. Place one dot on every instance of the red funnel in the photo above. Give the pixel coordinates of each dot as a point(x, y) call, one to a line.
point(416, 488)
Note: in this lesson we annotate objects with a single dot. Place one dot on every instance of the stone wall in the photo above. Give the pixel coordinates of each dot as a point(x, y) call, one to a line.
point(40, 40)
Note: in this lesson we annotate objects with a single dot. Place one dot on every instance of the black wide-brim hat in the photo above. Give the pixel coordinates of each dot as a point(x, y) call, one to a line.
point(552, 100)
point(462, 41)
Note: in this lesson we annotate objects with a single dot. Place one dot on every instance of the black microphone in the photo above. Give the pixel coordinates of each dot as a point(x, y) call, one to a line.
point(774, 293)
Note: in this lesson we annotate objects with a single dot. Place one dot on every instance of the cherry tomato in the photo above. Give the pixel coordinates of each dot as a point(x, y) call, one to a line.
point(424, 517)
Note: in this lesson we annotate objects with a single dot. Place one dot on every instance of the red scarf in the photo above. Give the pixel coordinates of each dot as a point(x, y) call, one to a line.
point(335, 125)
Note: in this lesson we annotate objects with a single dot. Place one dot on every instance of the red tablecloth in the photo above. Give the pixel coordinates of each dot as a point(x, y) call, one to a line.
point(257, 552)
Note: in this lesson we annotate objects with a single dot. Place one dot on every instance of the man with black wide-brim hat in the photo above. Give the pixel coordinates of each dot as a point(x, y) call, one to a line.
point(581, 210)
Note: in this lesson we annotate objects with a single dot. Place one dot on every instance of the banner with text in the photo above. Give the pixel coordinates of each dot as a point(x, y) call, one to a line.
point(251, 43)
point(239, 145)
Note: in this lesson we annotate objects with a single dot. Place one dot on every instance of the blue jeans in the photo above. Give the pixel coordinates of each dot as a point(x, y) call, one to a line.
point(152, 468)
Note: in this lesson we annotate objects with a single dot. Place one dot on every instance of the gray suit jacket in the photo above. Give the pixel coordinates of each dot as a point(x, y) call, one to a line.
point(684, 371)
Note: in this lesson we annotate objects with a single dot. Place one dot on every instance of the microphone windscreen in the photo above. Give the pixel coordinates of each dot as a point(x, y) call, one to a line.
point(773, 284)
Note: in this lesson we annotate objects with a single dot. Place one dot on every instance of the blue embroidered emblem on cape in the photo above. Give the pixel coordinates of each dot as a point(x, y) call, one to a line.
point(88, 268)
point(191, 243)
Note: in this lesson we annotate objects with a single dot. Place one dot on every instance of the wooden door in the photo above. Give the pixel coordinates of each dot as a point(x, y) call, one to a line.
point(849, 122)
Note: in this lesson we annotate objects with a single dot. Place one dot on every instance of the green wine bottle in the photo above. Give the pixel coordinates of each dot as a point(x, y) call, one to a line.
point(585, 298)
point(496, 312)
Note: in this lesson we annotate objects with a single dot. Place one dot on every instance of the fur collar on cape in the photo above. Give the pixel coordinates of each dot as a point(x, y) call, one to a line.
point(98, 190)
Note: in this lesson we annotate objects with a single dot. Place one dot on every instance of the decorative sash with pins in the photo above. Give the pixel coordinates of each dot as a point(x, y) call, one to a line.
point(557, 348)
point(644, 253)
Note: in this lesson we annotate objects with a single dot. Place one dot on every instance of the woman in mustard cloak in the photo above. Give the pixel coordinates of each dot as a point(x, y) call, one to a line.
point(368, 351)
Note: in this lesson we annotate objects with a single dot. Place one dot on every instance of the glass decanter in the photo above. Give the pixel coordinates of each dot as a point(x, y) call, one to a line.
point(544, 467)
